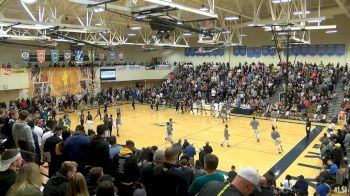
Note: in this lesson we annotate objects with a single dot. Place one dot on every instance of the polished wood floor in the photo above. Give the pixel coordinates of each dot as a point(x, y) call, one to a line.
point(147, 127)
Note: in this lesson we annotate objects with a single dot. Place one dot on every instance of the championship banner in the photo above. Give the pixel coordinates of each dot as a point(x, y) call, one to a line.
point(91, 55)
point(40, 55)
point(67, 55)
point(163, 67)
point(120, 56)
point(79, 56)
point(25, 56)
point(101, 56)
point(112, 56)
point(55, 56)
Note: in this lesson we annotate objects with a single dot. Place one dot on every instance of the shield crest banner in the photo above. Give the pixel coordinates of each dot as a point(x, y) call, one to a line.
point(25, 56)
point(101, 56)
point(112, 56)
point(67, 56)
point(91, 55)
point(55, 56)
point(79, 56)
point(40, 55)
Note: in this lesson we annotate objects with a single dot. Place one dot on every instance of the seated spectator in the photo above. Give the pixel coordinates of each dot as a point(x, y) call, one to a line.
point(10, 161)
point(77, 185)
point(28, 182)
point(58, 183)
point(244, 183)
point(210, 164)
point(167, 179)
point(323, 189)
point(270, 178)
point(287, 184)
point(301, 186)
point(114, 148)
point(232, 174)
point(333, 168)
point(264, 189)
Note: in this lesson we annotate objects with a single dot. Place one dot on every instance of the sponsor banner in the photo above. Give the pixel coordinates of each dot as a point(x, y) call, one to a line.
point(79, 56)
point(67, 56)
point(107, 74)
point(91, 55)
point(163, 67)
point(40, 55)
point(102, 56)
point(134, 67)
point(25, 56)
point(122, 67)
point(11, 71)
point(55, 56)
point(112, 56)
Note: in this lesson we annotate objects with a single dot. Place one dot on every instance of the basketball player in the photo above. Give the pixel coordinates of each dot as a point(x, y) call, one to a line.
point(275, 135)
point(133, 103)
point(226, 137)
point(223, 114)
point(171, 123)
point(274, 115)
point(90, 123)
point(255, 125)
point(118, 123)
point(308, 128)
point(105, 119)
point(110, 125)
point(169, 137)
point(82, 118)
point(118, 109)
point(98, 112)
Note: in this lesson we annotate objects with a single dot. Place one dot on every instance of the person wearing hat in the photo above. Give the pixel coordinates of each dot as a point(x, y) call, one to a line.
point(10, 160)
point(337, 154)
point(244, 183)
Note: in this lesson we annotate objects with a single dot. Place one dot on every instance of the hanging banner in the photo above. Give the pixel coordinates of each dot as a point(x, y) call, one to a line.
point(120, 56)
point(91, 55)
point(101, 56)
point(112, 56)
point(40, 55)
point(79, 56)
point(55, 56)
point(67, 55)
point(25, 56)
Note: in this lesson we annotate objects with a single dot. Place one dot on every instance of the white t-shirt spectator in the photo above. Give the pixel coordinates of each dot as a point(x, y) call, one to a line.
point(38, 132)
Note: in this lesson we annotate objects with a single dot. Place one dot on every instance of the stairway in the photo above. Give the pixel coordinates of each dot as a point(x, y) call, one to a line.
point(335, 105)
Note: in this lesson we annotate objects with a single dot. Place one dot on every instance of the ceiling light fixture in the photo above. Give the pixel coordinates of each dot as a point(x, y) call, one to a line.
point(29, 1)
point(232, 18)
point(179, 23)
point(135, 28)
point(204, 9)
point(98, 9)
point(331, 31)
point(98, 24)
point(131, 34)
point(187, 34)
point(182, 7)
point(243, 35)
point(301, 12)
point(140, 17)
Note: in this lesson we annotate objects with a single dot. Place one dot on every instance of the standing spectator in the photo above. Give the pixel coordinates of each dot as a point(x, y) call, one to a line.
point(188, 172)
point(167, 179)
point(337, 154)
point(255, 125)
point(207, 148)
point(147, 170)
point(49, 131)
point(232, 174)
point(10, 161)
point(125, 169)
point(98, 151)
point(198, 171)
point(244, 183)
point(95, 175)
point(77, 186)
point(6, 129)
point(308, 128)
point(27, 182)
point(50, 147)
point(106, 188)
point(323, 189)
point(114, 148)
point(75, 147)
point(185, 144)
point(22, 133)
point(226, 137)
point(191, 151)
point(210, 164)
point(58, 183)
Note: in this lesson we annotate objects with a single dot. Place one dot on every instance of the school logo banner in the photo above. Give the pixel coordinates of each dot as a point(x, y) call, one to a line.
point(55, 56)
point(67, 56)
point(40, 55)
point(79, 56)
point(112, 56)
point(91, 55)
point(25, 56)
point(101, 56)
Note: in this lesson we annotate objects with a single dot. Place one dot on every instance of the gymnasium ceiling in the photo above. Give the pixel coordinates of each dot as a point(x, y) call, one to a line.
point(72, 19)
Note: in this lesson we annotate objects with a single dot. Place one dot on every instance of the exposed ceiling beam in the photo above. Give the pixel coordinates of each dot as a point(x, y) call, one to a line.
point(342, 7)
point(111, 6)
